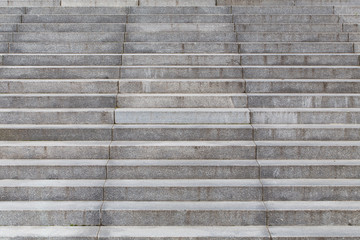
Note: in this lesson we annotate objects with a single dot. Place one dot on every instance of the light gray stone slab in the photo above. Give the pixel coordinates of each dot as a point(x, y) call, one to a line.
point(314, 232)
point(98, 3)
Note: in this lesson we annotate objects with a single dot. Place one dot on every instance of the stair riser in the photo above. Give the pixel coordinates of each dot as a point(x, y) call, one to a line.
point(62, 60)
point(179, 10)
point(182, 134)
point(179, 27)
point(60, 37)
point(293, 37)
point(181, 102)
point(309, 19)
point(74, 19)
point(283, 10)
point(176, 47)
point(181, 37)
point(66, 27)
point(147, 18)
point(58, 101)
point(292, 28)
point(181, 86)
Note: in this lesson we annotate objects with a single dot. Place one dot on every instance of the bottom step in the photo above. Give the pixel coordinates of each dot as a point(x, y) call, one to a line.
point(183, 232)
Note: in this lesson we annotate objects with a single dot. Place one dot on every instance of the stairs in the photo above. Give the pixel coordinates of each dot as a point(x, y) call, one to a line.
point(176, 119)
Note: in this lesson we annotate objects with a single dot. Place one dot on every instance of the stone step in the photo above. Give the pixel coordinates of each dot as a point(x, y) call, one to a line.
point(64, 37)
point(10, 18)
point(180, 10)
point(60, 59)
point(325, 232)
point(103, 3)
point(181, 116)
point(179, 18)
point(128, 169)
point(304, 169)
point(177, 3)
point(181, 86)
point(89, 86)
point(305, 115)
point(182, 132)
point(307, 149)
point(290, 18)
point(295, 27)
point(182, 27)
point(59, 72)
point(66, 27)
point(182, 169)
point(54, 169)
point(58, 48)
point(180, 47)
point(301, 100)
point(177, 72)
point(306, 132)
point(303, 86)
point(346, 9)
point(57, 116)
point(283, 10)
point(288, 3)
point(34, 3)
point(312, 213)
point(58, 100)
point(296, 47)
point(69, 18)
point(68, 132)
point(12, 10)
point(174, 100)
point(301, 72)
point(54, 150)
point(176, 37)
point(311, 189)
point(292, 37)
point(76, 10)
point(235, 59)
point(182, 150)
point(125, 213)
point(138, 232)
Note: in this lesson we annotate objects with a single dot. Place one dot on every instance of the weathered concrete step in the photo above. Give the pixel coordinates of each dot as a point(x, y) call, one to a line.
point(54, 150)
point(303, 232)
point(181, 86)
point(306, 132)
point(241, 59)
point(300, 59)
point(76, 10)
point(307, 149)
point(288, 3)
point(68, 37)
point(31, 3)
point(182, 116)
point(69, 27)
point(60, 59)
point(10, 18)
point(57, 116)
point(294, 27)
point(346, 9)
point(176, 37)
point(53, 169)
point(182, 169)
point(69, 18)
point(177, 72)
point(289, 18)
point(124, 213)
point(182, 132)
point(118, 3)
point(59, 72)
point(51, 190)
point(68, 132)
point(176, 3)
point(12, 10)
point(181, 190)
point(301, 72)
point(313, 213)
point(303, 86)
point(138, 232)
point(296, 47)
point(65, 47)
point(180, 100)
point(183, 213)
point(182, 150)
point(179, 18)
point(296, 37)
point(301, 100)
point(57, 100)
point(305, 115)
point(181, 59)
point(316, 169)
point(180, 47)
point(179, 10)
point(283, 10)
point(58, 213)
point(90, 86)
point(311, 189)
point(103, 3)
point(182, 27)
